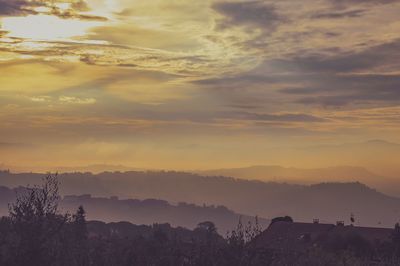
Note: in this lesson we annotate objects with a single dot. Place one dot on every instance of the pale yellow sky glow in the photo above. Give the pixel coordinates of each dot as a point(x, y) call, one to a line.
point(198, 84)
point(45, 27)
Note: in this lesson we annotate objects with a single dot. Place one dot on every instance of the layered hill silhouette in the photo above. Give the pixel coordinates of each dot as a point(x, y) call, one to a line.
point(378, 156)
point(373, 162)
point(293, 175)
point(143, 212)
point(296, 175)
point(328, 202)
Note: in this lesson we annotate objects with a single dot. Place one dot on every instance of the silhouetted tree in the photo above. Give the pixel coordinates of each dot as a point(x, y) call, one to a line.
point(36, 233)
point(207, 226)
point(241, 248)
point(79, 237)
point(281, 219)
point(396, 240)
point(37, 225)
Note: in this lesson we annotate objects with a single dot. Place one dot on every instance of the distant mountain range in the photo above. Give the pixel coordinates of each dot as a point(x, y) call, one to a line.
point(93, 168)
point(373, 162)
point(294, 175)
point(327, 201)
point(377, 156)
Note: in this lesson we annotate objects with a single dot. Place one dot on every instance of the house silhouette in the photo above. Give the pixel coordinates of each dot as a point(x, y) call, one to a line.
point(297, 236)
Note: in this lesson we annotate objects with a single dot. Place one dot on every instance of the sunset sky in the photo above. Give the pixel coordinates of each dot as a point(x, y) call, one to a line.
point(195, 84)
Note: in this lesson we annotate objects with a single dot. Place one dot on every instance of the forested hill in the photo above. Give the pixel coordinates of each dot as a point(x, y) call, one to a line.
point(146, 212)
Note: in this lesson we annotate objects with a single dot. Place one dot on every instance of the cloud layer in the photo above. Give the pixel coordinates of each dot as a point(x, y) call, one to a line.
point(220, 73)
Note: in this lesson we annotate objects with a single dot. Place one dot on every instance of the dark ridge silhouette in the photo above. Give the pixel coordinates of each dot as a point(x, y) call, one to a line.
point(129, 230)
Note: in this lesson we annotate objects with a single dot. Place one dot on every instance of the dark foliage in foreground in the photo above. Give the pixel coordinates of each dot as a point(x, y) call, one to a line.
point(37, 233)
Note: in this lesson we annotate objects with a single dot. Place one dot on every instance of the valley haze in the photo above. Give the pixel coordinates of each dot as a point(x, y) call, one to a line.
point(329, 202)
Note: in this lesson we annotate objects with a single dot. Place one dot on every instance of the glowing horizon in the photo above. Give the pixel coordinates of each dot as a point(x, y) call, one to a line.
point(199, 84)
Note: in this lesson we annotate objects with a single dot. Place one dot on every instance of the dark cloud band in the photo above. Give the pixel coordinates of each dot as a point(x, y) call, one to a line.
point(24, 8)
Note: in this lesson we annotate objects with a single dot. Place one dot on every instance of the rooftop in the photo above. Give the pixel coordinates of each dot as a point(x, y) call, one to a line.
point(295, 235)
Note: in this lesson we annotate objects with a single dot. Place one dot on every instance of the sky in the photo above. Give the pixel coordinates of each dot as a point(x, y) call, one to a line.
point(188, 84)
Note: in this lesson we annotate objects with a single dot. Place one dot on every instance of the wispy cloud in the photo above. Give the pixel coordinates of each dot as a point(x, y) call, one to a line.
point(75, 100)
point(244, 72)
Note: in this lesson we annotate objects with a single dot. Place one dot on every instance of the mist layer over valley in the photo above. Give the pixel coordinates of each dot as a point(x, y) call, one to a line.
point(328, 202)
